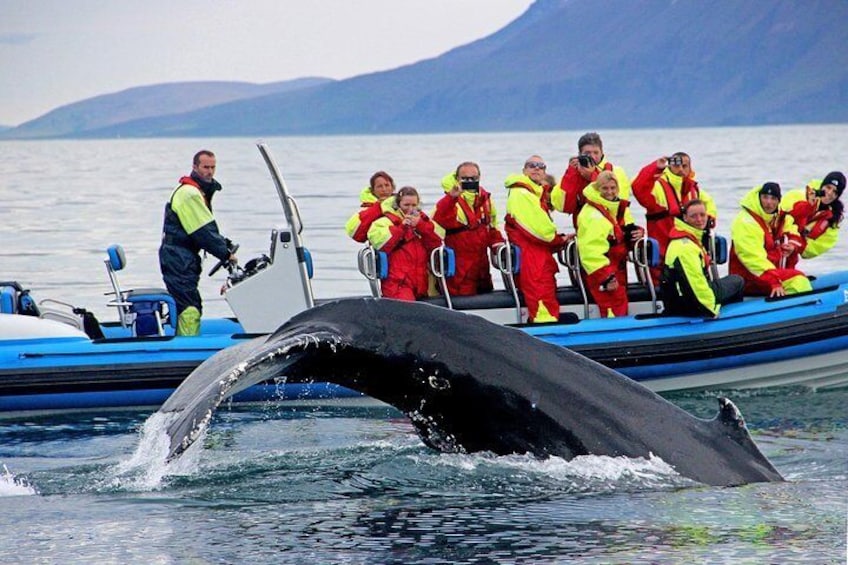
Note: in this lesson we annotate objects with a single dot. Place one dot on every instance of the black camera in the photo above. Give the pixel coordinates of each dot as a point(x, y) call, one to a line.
point(819, 192)
point(675, 161)
point(585, 160)
point(470, 185)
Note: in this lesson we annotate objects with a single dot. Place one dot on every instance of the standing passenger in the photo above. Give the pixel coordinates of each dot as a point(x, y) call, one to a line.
point(407, 235)
point(605, 231)
point(686, 286)
point(763, 238)
point(380, 186)
point(583, 169)
point(817, 211)
point(529, 225)
point(189, 228)
point(664, 187)
point(470, 221)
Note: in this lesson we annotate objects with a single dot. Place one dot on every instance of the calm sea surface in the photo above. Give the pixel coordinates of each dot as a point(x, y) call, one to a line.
point(351, 483)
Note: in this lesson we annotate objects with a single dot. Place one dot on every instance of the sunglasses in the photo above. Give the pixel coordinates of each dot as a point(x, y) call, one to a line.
point(535, 165)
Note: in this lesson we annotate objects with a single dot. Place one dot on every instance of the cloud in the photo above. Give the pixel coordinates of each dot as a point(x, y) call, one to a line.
point(16, 38)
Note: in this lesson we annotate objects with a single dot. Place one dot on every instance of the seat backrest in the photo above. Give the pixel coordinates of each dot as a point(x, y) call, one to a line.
point(307, 258)
point(719, 252)
point(374, 266)
point(646, 255)
point(443, 266)
point(570, 257)
point(8, 300)
point(116, 260)
point(506, 259)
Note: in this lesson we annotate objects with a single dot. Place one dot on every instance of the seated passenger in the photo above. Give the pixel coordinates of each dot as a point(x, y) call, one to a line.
point(663, 187)
point(529, 225)
point(605, 231)
point(470, 220)
point(763, 238)
point(685, 285)
point(407, 235)
point(380, 186)
point(817, 211)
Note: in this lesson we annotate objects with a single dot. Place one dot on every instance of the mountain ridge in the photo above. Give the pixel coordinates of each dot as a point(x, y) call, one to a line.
point(568, 64)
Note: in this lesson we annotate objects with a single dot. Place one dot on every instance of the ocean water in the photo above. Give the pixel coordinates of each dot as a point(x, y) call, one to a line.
point(349, 482)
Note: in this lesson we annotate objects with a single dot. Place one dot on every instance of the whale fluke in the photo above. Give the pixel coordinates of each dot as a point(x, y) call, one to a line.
point(469, 385)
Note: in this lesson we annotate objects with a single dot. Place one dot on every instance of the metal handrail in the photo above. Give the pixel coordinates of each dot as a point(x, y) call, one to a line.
point(437, 267)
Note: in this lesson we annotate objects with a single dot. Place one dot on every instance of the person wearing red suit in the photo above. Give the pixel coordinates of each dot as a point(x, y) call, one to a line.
point(582, 169)
point(817, 211)
point(407, 235)
point(530, 227)
point(380, 186)
point(664, 187)
point(469, 219)
point(763, 238)
point(605, 232)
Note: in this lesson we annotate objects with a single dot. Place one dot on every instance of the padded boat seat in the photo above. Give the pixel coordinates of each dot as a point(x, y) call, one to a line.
point(14, 299)
point(145, 310)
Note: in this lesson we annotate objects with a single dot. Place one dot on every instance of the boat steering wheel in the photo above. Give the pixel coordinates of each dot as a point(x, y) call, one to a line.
point(224, 262)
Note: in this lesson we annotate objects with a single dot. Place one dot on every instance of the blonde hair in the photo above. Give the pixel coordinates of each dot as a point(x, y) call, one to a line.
point(605, 176)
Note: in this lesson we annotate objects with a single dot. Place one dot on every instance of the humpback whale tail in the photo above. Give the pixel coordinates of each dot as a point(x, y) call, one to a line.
point(469, 385)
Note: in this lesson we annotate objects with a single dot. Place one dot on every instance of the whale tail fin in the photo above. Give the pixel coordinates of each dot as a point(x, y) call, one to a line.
point(469, 385)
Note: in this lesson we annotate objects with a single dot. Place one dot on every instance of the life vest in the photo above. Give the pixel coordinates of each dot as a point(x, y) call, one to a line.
point(474, 220)
point(674, 205)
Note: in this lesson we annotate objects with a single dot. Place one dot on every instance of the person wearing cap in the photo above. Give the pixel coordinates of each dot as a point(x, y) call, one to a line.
point(605, 232)
point(664, 187)
point(582, 169)
point(380, 186)
point(686, 285)
point(470, 220)
point(189, 228)
point(530, 227)
point(817, 210)
point(763, 237)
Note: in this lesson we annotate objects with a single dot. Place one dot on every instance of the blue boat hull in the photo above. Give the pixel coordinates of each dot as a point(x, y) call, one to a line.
point(793, 340)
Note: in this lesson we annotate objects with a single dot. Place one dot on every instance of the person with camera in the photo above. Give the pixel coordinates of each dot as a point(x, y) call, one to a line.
point(764, 238)
point(663, 187)
point(582, 169)
point(686, 286)
point(605, 232)
point(189, 228)
point(817, 210)
point(380, 187)
point(408, 236)
point(470, 220)
point(530, 227)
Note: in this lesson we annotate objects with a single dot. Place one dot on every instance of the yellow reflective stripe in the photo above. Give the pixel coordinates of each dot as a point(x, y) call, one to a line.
point(749, 243)
point(822, 243)
point(380, 232)
point(366, 196)
point(796, 284)
point(689, 255)
point(526, 209)
point(592, 243)
point(190, 207)
point(353, 224)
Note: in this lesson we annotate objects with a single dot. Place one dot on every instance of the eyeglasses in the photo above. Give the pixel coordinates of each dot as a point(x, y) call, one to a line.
point(469, 179)
point(535, 165)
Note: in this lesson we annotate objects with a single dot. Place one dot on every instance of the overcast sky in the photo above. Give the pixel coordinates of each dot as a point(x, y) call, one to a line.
point(54, 52)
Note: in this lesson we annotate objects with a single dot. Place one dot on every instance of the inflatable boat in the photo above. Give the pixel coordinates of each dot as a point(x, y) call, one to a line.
point(56, 356)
